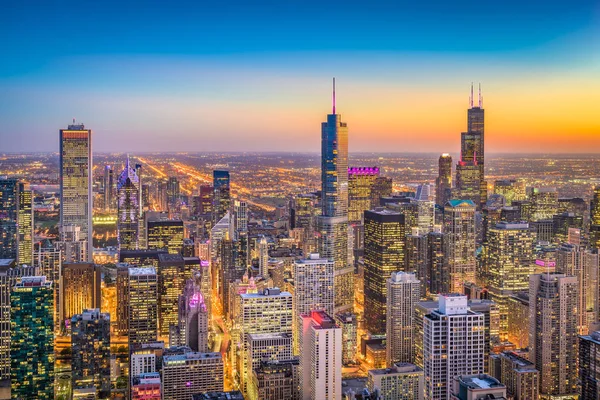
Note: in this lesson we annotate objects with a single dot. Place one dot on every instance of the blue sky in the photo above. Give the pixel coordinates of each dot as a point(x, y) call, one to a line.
point(243, 76)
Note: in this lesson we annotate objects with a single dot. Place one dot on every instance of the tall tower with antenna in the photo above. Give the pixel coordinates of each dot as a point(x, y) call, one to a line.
point(333, 222)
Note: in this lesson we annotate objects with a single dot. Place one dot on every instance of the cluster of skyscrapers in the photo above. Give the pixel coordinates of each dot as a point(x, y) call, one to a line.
point(463, 289)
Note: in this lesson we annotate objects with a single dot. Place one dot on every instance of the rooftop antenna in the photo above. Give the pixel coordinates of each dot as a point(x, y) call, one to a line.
point(480, 98)
point(471, 98)
point(334, 95)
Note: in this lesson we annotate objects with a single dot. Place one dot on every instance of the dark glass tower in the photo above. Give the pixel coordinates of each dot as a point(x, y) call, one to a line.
point(9, 207)
point(129, 208)
point(222, 194)
point(444, 179)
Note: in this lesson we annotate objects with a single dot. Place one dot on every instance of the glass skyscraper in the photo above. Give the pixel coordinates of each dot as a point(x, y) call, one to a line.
point(128, 205)
point(222, 194)
point(32, 339)
point(76, 181)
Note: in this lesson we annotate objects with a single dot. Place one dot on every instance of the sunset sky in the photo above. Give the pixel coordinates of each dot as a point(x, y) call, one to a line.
point(257, 77)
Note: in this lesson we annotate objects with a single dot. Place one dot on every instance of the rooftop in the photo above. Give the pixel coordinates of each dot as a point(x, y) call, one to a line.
point(141, 271)
point(481, 381)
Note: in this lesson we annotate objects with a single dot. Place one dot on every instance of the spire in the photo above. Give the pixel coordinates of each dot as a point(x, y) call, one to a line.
point(334, 95)
point(480, 97)
point(471, 98)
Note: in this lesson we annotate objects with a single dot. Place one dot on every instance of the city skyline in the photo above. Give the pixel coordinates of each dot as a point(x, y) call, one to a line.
point(219, 80)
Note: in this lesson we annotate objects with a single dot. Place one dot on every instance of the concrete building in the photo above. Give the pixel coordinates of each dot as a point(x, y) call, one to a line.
point(402, 381)
point(519, 375)
point(589, 366)
point(186, 374)
point(477, 387)
point(79, 290)
point(142, 305)
point(459, 242)
point(321, 357)
point(403, 293)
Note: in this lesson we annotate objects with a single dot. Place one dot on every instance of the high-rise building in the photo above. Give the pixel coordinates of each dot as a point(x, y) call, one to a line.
point(519, 375)
point(186, 374)
point(510, 260)
point(172, 275)
point(25, 222)
point(417, 258)
point(142, 304)
point(90, 344)
point(48, 260)
point(333, 223)
point(108, 184)
point(439, 276)
point(459, 242)
point(313, 290)
point(76, 175)
point(589, 366)
point(265, 347)
point(321, 357)
point(403, 293)
point(348, 323)
point(192, 325)
point(79, 290)
point(511, 190)
point(399, 382)
point(146, 386)
point(477, 387)
point(206, 194)
point(128, 204)
point(173, 192)
point(165, 235)
point(73, 249)
point(222, 194)
point(10, 274)
point(453, 345)
point(267, 312)
point(276, 380)
point(361, 181)
point(384, 254)
point(444, 179)
point(544, 203)
point(9, 209)
point(263, 257)
point(553, 339)
point(32, 339)
point(595, 219)
point(573, 260)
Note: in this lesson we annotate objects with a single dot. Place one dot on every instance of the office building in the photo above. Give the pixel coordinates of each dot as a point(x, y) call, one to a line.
point(444, 179)
point(403, 293)
point(313, 289)
point(32, 339)
point(333, 223)
point(595, 219)
point(544, 202)
point(361, 181)
point(71, 246)
point(511, 190)
point(417, 258)
point(25, 222)
point(321, 357)
point(129, 207)
point(192, 325)
point(402, 381)
point(173, 192)
point(222, 194)
point(573, 260)
point(263, 257)
point(165, 235)
point(79, 290)
point(348, 323)
point(519, 375)
point(453, 345)
point(384, 254)
point(146, 387)
point(142, 305)
point(265, 347)
point(10, 274)
point(76, 176)
point(510, 260)
point(9, 209)
point(459, 242)
point(186, 374)
point(589, 366)
point(276, 380)
point(477, 387)
point(172, 275)
point(108, 185)
point(553, 336)
point(439, 276)
point(90, 348)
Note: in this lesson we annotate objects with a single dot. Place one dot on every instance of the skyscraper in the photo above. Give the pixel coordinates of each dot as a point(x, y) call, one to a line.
point(190, 373)
point(79, 290)
point(384, 254)
point(9, 208)
point(444, 179)
point(222, 194)
point(128, 203)
point(595, 219)
point(333, 223)
point(553, 339)
point(313, 290)
point(403, 293)
point(192, 325)
point(142, 305)
point(32, 339)
point(108, 184)
point(172, 275)
point(509, 263)
point(76, 168)
point(589, 366)
point(453, 345)
point(172, 192)
point(360, 186)
point(400, 381)
point(321, 357)
point(165, 235)
point(459, 242)
point(519, 375)
point(263, 257)
point(25, 225)
point(10, 274)
point(90, 344)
